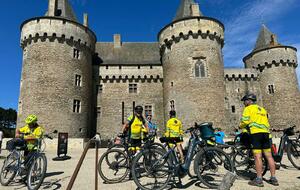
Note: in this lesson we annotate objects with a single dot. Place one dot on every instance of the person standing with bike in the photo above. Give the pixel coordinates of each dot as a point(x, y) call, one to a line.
point(174, 130)
point(255, 119)
point(135, 126)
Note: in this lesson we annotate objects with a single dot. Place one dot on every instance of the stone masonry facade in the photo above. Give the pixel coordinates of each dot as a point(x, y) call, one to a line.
point(77, 85)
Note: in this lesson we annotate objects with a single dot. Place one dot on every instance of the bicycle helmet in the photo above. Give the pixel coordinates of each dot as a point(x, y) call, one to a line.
point(31, 119)
point(138, 109)
point(249, 97)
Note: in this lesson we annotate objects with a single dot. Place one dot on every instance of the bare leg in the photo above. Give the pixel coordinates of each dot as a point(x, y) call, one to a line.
point(258, 164)
point(180, 150)
point(271, 163)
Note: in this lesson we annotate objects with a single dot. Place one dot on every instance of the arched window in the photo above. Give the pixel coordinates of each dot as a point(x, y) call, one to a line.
point(200, 69)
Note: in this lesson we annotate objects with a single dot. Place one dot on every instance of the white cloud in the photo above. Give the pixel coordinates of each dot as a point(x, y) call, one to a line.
point(243, 27)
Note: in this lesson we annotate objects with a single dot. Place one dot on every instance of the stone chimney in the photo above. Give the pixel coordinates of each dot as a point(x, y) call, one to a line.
point(195, 10)
point(86, 20)
point(273, 40)
point(52, 7)
point(117, 41)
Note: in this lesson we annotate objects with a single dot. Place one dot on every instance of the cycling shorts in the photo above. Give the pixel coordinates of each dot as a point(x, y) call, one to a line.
point(260, 143)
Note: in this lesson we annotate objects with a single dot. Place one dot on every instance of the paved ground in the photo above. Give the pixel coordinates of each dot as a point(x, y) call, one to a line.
point(59, 174)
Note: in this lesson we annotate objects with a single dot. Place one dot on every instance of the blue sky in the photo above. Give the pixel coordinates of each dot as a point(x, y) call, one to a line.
point(141, 20)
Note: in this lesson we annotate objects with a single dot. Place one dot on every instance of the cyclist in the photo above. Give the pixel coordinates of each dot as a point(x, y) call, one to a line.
point(28, 135)
point(174, 130)
point(135, 126)
point(255, 119)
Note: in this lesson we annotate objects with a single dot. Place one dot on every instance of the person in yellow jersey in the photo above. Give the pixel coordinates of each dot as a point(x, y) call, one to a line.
point(174, 130)
point(255, 119)
point(135, 126)
point(28, 136)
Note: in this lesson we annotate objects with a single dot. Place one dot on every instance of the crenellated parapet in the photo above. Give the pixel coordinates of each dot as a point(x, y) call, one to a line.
point(131, 78)
point(272, 57)
point(241, 74)
point(57, 29)
point(192, 27)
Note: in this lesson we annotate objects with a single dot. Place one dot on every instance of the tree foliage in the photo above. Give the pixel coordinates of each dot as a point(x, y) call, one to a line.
point(8, 118)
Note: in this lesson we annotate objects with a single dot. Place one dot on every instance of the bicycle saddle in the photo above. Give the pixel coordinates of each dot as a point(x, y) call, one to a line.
point(172, 140)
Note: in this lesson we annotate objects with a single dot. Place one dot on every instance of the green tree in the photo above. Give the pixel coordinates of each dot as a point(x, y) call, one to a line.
point(8, 118)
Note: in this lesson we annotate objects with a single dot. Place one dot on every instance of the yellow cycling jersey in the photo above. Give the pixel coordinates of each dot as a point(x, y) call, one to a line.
point(36, 132)
point(136, 127)
point(174, 128)
point(256, 118)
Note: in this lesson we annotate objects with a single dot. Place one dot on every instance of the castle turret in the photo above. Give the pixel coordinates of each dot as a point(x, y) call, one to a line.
point(276, 65)
point(56, 82)
point(191, 54)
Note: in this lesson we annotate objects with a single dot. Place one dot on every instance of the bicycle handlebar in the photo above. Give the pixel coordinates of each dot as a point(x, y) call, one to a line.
point(283, 130)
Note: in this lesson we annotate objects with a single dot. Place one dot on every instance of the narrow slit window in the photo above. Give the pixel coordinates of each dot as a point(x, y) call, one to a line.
point(76, 106)
point(100, 88)
point(172, 105)
point(76, 53)
point(233, 109)
point(271, 89)
point(77, 80)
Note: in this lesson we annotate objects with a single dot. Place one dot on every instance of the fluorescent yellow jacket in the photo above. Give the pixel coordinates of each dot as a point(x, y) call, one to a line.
point(36, 132)
point(136, 127)
point(256, 118)
point(174, 128)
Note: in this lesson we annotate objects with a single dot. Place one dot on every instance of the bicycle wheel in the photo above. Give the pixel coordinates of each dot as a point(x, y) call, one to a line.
point(244, 163)
point(151, 169)
point(211, 165)
point(293, 153)
point(158, 146)
point(113, 166)
point(9, 169)
point(37, 171)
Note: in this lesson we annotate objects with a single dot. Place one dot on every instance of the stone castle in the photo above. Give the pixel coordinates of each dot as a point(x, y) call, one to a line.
point(78, 85)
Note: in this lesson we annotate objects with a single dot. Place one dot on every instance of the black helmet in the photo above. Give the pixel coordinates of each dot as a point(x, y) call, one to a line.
point(172, 113)
point(249, 97)
point(138, 109)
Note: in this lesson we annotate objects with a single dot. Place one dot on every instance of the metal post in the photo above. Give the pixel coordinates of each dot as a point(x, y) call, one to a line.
point(96, 162)
point(73, 178)
point(97, 142)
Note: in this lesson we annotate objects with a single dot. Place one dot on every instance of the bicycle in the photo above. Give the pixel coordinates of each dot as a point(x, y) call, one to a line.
point(243, 158)
point(33, 167)
point(118, 158)
point(292, 147)
point(160, 166)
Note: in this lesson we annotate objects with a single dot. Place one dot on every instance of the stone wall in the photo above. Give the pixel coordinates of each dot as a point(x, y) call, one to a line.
point(115, 90)
point(237, 83)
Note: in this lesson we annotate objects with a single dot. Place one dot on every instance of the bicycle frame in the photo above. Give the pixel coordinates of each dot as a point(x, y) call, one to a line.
point(182, 169)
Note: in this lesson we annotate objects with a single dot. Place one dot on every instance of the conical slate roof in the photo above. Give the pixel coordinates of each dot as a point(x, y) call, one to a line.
point(65, 10)
point(184, 9)
point(264, 38)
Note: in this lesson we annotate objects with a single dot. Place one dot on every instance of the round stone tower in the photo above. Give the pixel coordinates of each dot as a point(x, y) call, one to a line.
point(193, 68)
point(56, 82)
point(276, 64)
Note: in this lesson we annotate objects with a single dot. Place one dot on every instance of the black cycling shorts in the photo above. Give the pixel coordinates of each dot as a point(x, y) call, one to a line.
point(260, 141)
point(135, 142)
